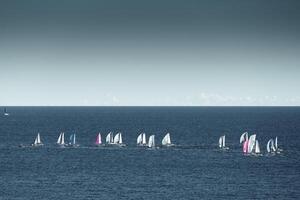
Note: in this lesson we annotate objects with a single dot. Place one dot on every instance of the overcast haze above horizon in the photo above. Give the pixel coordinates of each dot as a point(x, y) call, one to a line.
point(150, 53)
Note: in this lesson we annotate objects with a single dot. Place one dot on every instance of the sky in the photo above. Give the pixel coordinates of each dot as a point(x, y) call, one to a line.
point(150, 53)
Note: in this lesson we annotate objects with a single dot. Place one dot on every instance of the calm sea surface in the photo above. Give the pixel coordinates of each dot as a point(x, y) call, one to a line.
point(194, 169)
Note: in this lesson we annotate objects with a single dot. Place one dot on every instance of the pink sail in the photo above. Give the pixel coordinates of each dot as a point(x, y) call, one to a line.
point(245, 146)
point(98, 139)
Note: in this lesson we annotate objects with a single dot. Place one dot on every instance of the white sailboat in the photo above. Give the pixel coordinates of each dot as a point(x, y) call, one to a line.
point(118, 140)
point(151, 143)
point(37, 141)
point(244, 137)
point(222, 143)
point(270, 146)
point(251, 143)
point(257, 149)
point(166, 141)
point(141, 140)
point(98, 141)
point(61, 139)
point(5, 112)
point(72, 141)
point(109, 138)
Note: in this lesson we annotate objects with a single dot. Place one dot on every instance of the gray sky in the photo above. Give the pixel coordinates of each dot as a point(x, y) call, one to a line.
point(140, 52)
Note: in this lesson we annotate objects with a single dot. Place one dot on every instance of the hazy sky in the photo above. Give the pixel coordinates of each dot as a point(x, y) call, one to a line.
point(158, 52)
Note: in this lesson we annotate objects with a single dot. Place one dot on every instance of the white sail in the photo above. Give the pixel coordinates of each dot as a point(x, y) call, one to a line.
point(139, 139)
point(109, 137)
point(244, 137)
point(220, 141)
point(151, 141)
point(117, 138)
point(166, 140)
point(268, 145)
point(38, 139)
point(35, 141)
point(144, 141)
point(251, 143)
point(257, 149)
point(120, 138)
point(223, 141)
point(276, 145)
point(59, 139)
point(63, 138)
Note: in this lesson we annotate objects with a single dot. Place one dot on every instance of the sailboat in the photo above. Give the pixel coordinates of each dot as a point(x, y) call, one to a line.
point(61, 139)
point(118, 140)
point(141, 140)
point(151, 143)
point(257, 148)
point(222, 143)
point(244, 137)
point(5, 112)
point(166, 141)
point(98, 141)
point(109, 138)
point(72, 141)
point(251, 143)
point(270, 146)
point(37, 141)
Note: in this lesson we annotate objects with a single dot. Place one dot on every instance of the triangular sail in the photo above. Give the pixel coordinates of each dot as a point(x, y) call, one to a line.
point(144, 141)
point(245, 146)
point(139, 139)
point(117, 138)
point(59, 139)
point(120, 138)
point(151, 141)
point(98, 139)
point(109, 137)
point(251, 143)
point(276, 145)
point(257, 149)
point(38, 139)
point(63, 138)
point(166, 140)
point(223, 142)
point(269, 145)
point(244, 137)
point(220, 141)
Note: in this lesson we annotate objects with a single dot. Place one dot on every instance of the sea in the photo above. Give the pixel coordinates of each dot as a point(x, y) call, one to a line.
point(194, 168)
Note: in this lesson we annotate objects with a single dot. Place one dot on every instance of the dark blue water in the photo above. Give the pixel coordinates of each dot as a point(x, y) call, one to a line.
point(195, 169)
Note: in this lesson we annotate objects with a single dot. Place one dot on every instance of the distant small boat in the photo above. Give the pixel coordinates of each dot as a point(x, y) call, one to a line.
point(166, 141)
point(222, 143)
point(251, 143)
point(37, 141)
point(72, 141)
point(244, 137)
point(257, 148)
point(109, 138)
point(270, 146)
point(141, 140)
point(151, 143)
point(118, 140)
point(61, 139)
point(5, 112)
point(98, 141)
